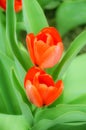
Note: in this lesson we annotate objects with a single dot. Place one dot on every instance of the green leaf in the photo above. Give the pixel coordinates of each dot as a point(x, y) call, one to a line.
point(18, 86)
point(54, 112)
point(69, 126)
point(75, 82)
point(34, 17)
point(13, 122)
point(70, 14)
point(11, 101)
point(13, 63)
point(72, 51)
point(8, 88)
point(11, 33)
point(43, 3)
point(2, 46)
point(24, 103)
point(25, 54)
point(69, 117)
point(26, 111)
point(49, 4)
point(4, 43)
point(52, 4)
point(7, 92)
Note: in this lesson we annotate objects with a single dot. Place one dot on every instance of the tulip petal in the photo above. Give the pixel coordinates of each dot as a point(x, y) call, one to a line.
point(59, 83)
point(3, 4)
point(46, 79)
point(35, 80)
point(30, 45)
point(54, 33)
point(39, 48)
point(18, 5)
point(31, 73)
point(43, 91)
point(50, 40)
point(45, 37)
point(33, 94)
point(51, 56)
point(41, 37)
point(53, 93)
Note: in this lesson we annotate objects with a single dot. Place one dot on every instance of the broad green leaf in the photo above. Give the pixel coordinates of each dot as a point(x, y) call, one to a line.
point(25, 54)
point(68, 117)
point(19, 70)
point(13, 85)
point(4, 43)
point(13, 63)
point(69, 126)
point(34, 17)
point(59, 110)
point(13, 122)
point(52, 4)
point(11, 33)
point(49, 4)
point(7, 92)
point(20, 26)
point(18, 86)
point(70, 14)
point(43, 3)
point(26, 111)
point(67, 59)
point(74, 83)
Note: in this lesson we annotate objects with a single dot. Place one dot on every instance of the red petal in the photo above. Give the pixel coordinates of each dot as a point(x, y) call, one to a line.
point(41, 36)
point(33, 94)
point(49, 40)
point(3, 4)
point(46, 79)
point(35, 80)
point(39, 48)
point(53, 93)
point(51, 56)
point(54, 33)
point(31, 73)
point(18, 5)
point(42, 90)
point(30, 45)
point(59, 83)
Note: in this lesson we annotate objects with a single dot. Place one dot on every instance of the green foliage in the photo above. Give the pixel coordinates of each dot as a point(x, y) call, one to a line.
point(34, 21)
point(72, 51)
point(16, 112)
point(70, 15)
point(49, 4)
point(12, 122)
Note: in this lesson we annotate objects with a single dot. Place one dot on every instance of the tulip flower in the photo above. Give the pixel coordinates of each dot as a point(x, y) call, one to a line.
point(40, 87)
point(45, 48)
point(17, 5)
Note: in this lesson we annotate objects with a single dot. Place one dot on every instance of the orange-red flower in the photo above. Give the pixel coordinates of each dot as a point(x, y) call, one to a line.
point(40, 87)
point(45, 48)
point(17, 5)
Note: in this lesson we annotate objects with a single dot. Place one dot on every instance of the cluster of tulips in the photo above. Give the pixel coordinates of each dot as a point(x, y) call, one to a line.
point(45, 50)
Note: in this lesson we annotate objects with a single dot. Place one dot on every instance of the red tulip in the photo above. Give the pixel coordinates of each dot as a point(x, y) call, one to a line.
point(17, 5)
point(40, 87)
point(45, 48)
